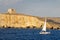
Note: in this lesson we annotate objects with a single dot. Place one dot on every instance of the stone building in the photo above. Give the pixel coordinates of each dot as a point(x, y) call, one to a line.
point(16, 20)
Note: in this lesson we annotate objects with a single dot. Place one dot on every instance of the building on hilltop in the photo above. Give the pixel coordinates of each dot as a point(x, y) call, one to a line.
point(11, 11)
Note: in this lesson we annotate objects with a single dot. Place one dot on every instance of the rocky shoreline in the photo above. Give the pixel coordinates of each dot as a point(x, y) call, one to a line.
point(31, 28)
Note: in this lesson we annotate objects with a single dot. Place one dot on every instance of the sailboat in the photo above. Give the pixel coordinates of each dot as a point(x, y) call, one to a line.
point(44, 29)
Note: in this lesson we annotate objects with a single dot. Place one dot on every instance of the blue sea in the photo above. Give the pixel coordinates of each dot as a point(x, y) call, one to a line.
point(27, 34)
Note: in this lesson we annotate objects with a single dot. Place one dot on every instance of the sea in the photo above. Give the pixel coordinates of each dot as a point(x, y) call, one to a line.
point(28, 34)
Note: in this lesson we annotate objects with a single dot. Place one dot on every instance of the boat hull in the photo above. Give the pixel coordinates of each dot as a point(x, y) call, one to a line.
point(44, 33)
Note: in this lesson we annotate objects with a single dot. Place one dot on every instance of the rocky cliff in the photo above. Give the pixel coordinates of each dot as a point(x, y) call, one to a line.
point(19, 20)
point(13, 19)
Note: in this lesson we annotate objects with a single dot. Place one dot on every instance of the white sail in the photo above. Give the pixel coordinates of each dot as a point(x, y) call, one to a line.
point(44, 26)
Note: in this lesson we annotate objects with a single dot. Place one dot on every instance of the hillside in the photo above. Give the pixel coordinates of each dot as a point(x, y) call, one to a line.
point(20, 20)
point(54, 22)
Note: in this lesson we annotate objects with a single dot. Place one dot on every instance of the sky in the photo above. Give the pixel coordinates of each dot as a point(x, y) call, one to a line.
point(44, 8)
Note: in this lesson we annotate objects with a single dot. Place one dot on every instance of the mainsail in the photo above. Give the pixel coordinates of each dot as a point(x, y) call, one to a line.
point(44, 26)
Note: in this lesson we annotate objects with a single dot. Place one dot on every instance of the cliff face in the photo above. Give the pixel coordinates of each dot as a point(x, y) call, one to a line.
point(12, 19)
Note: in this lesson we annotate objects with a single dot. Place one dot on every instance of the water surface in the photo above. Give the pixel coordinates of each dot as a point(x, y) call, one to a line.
point(27, 34)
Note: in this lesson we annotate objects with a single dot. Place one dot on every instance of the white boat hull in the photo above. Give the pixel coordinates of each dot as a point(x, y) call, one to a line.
point(44, 32)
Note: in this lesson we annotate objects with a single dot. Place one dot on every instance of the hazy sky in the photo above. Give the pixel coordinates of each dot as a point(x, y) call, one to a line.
point(32, 7)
